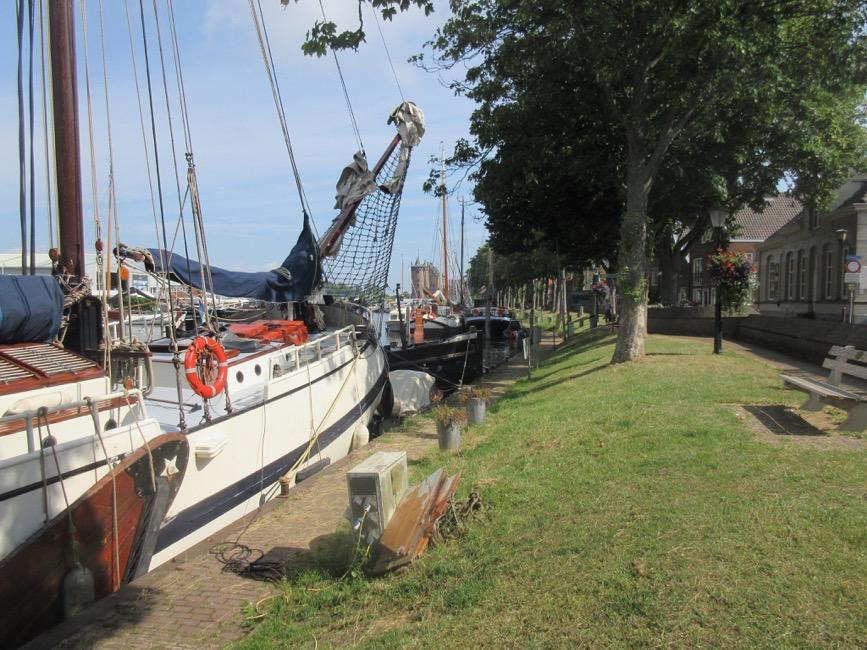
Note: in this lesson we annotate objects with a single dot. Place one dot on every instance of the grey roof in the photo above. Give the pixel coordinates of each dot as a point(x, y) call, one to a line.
point(758, 226)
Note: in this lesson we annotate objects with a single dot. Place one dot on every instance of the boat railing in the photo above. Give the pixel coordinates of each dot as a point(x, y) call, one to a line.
point(314, 350)
point(31, 416)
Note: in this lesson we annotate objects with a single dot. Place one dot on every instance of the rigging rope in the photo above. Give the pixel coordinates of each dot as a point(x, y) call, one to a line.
point(345, 91)
point(387, 53)
point(192, 180)
point(101, 271)
point(143, 130)
point(172, 329)
point(268, 60)
point(94, 414)
point(32, 161)
point(49, 201)
point(172, 146)
point(22, 173)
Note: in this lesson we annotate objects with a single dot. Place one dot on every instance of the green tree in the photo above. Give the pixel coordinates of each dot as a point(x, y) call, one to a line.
point(510, 269)
point(647, 76)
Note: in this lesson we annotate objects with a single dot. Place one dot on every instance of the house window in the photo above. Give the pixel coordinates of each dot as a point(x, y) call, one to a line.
point(697, 268)
point(790, 277)
point(844, 288)
point(830, 275)
point(773, 277)
point(802, 275)
point(814, 219)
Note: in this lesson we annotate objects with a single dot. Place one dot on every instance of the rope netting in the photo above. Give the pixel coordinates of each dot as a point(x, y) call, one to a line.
point(359, 272)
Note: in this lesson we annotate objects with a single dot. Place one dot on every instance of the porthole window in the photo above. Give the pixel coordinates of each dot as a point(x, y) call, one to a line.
point(258, 369)
point(239, 376)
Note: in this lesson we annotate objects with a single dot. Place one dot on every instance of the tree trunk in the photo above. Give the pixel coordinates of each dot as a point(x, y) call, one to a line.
point(632, 262)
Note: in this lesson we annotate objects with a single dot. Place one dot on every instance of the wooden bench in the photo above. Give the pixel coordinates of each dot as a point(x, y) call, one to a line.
point(840, 361)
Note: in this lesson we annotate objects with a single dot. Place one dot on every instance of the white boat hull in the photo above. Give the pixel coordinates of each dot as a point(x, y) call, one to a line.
point(237, 458)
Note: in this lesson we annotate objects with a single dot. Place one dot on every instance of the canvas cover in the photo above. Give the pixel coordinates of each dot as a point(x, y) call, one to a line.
point(292, 281)
point(31, 308)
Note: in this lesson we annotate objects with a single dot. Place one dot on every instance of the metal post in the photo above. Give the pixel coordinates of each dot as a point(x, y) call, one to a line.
point(717, 325)
point(488, 305)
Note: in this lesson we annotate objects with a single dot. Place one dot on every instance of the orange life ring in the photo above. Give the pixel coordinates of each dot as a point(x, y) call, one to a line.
point(198, 375)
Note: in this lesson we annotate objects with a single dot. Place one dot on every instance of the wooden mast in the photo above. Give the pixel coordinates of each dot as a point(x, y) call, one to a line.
point(61, 24)
point(445, 235)
point(462, 252)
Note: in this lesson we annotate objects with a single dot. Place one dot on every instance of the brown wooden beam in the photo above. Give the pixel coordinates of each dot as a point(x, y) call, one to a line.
point(61, 22)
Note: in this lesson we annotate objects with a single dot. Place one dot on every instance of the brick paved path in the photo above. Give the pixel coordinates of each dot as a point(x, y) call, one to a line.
point(191, 602)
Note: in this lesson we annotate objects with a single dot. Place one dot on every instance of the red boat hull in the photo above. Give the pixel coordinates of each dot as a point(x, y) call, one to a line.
point(31, 579)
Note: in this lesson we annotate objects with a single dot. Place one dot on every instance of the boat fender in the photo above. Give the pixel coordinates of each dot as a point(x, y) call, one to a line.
point(48, 400)
point(211, 349)
point(312, 469)
point(360, 437)
point(78, 591)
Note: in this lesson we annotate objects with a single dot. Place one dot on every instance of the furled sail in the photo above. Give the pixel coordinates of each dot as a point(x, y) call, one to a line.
point(293, 280)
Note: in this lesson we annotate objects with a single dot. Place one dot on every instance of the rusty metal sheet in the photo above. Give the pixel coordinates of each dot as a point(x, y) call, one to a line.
point(412, 525)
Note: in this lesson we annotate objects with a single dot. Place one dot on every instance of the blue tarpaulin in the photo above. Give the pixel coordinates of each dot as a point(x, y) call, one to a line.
point(31, 307)
point(294, 280)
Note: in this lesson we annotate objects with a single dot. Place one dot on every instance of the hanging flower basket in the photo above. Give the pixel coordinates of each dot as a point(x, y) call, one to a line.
point(734, 278)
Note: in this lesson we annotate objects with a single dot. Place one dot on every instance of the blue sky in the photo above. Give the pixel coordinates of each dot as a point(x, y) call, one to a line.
point(251, 209)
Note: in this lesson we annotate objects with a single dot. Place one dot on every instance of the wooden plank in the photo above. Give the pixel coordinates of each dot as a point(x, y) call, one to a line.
point(842, 351)
point(854, 370)
point(821, 388)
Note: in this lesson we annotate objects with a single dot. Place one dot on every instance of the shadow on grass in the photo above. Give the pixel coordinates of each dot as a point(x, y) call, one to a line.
point(548, 384)
point(782, 421)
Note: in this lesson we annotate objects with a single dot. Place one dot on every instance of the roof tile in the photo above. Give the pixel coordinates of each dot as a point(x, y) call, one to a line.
point(758, 226)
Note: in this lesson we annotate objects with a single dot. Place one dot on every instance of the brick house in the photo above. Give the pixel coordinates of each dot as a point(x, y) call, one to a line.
point(801, 271)
point(754, 229)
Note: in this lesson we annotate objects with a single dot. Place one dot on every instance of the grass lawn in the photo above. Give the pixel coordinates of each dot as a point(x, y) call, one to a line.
point(627, 506)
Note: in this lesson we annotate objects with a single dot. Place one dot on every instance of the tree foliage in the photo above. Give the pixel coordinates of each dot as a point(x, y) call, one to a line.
point(325, 34)
point(512, 269)
point(664, 106)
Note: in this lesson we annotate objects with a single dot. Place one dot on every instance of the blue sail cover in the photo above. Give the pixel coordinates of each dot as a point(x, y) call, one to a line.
point(31, 307)
point(294, 280)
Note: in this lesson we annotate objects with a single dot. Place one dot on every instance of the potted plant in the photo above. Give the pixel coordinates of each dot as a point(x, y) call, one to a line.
point(449, 420)
point(477, 402)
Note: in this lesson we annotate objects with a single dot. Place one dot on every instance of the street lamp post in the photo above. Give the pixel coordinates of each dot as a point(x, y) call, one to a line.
point(718, 219)
point(842, 234)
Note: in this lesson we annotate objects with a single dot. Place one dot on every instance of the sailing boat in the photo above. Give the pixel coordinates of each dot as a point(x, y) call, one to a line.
point(108, 472)
point(441, 343)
